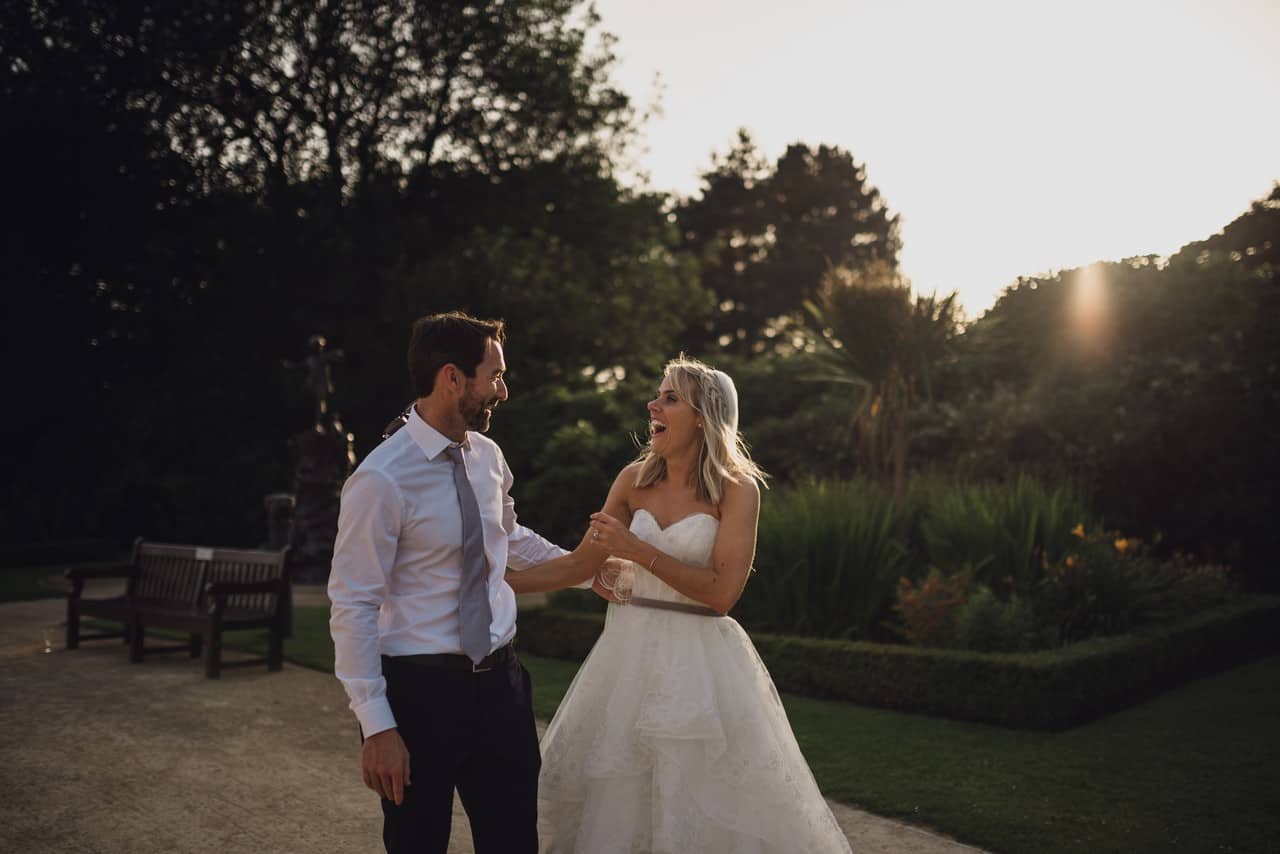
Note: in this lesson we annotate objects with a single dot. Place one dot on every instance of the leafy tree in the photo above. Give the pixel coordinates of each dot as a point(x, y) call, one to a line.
point(1165, 408)
point(205, 187)
point(263, 94)
point(97, 198)
point(767, 234)
point(1253, 238)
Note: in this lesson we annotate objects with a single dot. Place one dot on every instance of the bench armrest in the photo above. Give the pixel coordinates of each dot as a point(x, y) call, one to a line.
point(77, 575)
point(216, 593)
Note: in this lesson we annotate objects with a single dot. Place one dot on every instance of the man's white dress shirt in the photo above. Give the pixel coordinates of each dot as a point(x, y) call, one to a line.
point(397, 561)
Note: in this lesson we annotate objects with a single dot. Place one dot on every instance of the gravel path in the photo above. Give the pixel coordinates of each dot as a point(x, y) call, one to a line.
point(97, 755)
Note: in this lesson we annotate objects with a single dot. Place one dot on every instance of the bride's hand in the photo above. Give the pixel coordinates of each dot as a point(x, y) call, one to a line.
point(611, 535)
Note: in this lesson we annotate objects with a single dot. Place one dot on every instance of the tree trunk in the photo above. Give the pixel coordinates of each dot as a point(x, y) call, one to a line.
point(883, 437)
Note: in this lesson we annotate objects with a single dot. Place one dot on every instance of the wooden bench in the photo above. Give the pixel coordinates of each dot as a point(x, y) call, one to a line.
point(193, 589)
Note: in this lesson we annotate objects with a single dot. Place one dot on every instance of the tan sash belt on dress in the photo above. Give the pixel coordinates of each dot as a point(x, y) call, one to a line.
point(682, 607)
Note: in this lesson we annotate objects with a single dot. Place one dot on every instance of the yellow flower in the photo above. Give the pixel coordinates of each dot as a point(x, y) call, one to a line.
point(1122, 545)
point(1078, 530)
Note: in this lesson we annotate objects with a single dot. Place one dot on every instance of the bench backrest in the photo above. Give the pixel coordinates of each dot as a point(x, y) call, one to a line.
point(177, 574)
point(168, 573)
point(249, 565)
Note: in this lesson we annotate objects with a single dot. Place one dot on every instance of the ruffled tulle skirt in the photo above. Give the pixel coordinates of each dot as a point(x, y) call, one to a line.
point(672, 739)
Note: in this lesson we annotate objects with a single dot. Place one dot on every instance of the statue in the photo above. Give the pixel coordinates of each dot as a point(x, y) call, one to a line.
point(319, 379)
point(324, 456)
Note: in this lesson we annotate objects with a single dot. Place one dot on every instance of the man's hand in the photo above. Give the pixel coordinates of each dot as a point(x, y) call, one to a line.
point(385, 762)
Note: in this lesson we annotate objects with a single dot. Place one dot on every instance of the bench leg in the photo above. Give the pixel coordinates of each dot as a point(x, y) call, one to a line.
point(73, 623)
point(275, 650)
point(213, 650)
point(136, 635)
point(197, 644)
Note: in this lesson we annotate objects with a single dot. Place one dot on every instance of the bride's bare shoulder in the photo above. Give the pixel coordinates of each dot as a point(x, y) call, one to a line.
point(620, 494)
point(628, 476)
point(740, 490)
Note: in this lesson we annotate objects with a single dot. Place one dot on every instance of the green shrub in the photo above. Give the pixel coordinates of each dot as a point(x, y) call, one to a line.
point(839, 560)
point(986, 624)
point(1052, 689)
point(557, 634)
point(1095, 591)
point(1186, 587)
point(1107, 584)
point(1003, 532)
point(582, 601)
point(830, 554)
point(827, 560)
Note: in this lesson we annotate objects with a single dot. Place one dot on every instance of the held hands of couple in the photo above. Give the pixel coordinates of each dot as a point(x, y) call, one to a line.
point(614, 537)
point(385, 762)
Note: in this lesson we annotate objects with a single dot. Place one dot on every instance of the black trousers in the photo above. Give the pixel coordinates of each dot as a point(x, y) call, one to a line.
point(473, 732)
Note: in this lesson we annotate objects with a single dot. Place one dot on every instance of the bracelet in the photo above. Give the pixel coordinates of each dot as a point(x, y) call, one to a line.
point(655, 560)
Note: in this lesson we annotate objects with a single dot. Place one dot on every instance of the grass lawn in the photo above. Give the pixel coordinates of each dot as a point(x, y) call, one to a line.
point(1197, 769)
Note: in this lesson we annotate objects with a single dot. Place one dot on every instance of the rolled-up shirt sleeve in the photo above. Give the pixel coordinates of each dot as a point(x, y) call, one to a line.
point(368, 530)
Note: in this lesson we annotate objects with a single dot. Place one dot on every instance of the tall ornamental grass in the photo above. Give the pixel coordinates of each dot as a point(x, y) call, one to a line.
point(827, 560)
point(831, 555)
point(1007, 567)
point(1001, 532)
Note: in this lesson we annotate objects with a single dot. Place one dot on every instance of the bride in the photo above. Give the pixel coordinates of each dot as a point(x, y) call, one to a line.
point(672, 737)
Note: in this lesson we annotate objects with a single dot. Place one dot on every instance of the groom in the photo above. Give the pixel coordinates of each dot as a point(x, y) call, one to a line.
point(421, 618)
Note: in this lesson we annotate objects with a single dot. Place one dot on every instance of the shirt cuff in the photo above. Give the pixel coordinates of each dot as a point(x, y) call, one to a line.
point(375, 716)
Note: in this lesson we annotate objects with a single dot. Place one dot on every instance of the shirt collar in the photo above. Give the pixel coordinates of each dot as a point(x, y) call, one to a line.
point(429, 439)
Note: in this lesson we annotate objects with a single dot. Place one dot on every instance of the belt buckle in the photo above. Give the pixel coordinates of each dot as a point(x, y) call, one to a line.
point(476, 668)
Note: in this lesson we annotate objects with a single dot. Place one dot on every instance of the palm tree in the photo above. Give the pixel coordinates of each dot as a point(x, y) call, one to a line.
point(871, 335)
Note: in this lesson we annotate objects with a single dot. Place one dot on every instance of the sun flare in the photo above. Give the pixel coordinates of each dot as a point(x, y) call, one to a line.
point(1014, 138)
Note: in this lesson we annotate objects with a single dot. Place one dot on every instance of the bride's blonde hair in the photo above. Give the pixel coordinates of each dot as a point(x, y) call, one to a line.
point(723, 453)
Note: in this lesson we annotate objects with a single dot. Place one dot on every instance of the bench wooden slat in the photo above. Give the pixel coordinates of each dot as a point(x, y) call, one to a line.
point(170, 587)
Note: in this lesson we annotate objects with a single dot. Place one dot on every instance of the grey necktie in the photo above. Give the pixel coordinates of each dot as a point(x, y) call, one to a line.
point(474, 615)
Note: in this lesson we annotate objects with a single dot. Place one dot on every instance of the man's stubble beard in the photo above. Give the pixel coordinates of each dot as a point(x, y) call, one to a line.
point(474, 413)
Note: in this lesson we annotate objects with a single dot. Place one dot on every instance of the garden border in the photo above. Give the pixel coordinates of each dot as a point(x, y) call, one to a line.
point(1049, 690)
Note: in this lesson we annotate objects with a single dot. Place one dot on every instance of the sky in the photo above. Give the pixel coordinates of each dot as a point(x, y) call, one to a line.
point(1013, 138)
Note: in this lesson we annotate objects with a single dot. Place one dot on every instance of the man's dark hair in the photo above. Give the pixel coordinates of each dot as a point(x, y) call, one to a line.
point(452, 338)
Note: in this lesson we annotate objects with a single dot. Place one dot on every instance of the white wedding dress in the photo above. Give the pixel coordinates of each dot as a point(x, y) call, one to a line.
point(672, 738)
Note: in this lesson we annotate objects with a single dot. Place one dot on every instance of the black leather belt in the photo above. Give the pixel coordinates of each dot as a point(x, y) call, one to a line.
point(453, 660)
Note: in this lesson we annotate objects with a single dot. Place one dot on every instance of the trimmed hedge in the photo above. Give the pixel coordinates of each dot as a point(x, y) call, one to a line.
point(1048, 690)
